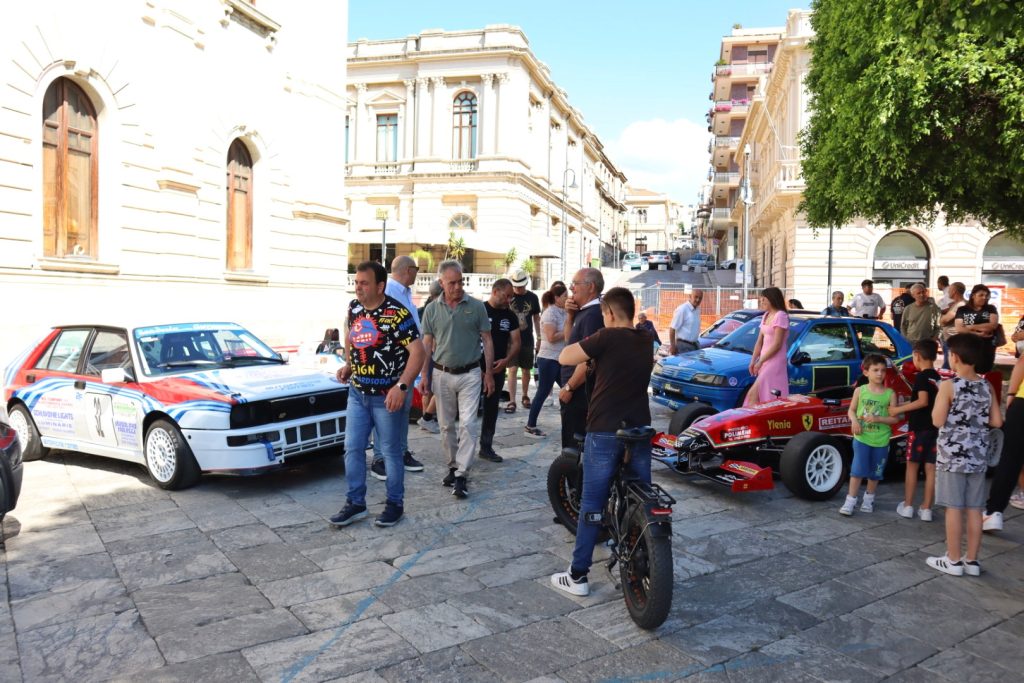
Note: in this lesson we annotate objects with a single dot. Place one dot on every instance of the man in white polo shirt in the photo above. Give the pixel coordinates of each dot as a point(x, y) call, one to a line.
point(685, 327)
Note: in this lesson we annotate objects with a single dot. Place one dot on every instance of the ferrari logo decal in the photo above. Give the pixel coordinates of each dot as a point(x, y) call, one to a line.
point(808, 421)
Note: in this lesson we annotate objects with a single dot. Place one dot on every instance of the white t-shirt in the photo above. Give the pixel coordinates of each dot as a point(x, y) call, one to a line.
point(686, 323)
point(552, 315)
point(867, 304)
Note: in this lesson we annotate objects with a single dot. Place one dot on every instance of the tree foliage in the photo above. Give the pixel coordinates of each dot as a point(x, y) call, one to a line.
point(917, 107)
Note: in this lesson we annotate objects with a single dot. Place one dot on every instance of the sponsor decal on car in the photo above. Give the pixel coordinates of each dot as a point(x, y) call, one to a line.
point(779, 425)
point(736, 433)
point(836, 422)
point(807, 420)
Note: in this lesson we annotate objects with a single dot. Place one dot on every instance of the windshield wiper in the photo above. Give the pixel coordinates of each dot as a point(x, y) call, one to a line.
point(186, 363)
point(235, 360)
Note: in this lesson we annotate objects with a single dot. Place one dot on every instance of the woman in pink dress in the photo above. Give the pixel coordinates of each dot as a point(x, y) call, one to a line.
point(768, 363)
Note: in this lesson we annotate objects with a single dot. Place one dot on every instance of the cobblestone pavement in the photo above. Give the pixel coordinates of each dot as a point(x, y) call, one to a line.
point(107, 577)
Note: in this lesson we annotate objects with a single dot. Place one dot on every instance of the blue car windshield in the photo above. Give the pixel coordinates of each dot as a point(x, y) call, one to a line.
point(744, 338)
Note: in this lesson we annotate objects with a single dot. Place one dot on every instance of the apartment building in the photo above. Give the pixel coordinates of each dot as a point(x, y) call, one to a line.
point(652, 220)
point(164, 163)
point(462, 138)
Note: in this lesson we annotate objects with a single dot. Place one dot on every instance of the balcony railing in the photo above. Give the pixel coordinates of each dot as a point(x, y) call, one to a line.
point(721, 214)
point(386, 168)
point(728, 141)
point(743, 69)
point(726, 178)
point(737, 105)
point(463, 166)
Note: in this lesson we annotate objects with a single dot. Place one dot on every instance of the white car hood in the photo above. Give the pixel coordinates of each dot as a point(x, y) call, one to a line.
point(265, 382)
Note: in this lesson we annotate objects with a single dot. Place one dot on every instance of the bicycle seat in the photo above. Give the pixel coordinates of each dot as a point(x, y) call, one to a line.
point(635, 434)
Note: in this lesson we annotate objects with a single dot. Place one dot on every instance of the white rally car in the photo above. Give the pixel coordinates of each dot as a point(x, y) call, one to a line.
point(181, 399)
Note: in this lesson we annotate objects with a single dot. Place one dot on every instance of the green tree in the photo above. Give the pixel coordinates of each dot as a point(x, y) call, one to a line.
point(456, 247)
point(917, 107)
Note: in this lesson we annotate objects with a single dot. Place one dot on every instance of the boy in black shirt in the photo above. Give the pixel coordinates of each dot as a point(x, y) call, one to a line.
point(921, 444)
point(622, 361)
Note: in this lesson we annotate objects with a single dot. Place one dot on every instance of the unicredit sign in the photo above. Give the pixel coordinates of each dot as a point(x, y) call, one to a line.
point(901, 264)
point(1003, 266)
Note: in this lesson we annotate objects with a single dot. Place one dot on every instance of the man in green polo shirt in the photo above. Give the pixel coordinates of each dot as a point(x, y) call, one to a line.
point(453, 328)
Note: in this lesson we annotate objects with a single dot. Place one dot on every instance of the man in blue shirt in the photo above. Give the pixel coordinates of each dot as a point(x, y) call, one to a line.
point(403, 274)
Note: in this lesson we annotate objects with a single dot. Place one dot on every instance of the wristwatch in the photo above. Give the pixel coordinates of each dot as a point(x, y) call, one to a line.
point(402, 386)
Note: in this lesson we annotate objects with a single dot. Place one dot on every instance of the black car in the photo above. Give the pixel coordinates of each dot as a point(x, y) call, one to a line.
point(10, 468)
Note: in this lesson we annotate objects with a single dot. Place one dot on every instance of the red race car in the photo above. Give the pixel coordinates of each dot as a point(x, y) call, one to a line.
point(805, 439)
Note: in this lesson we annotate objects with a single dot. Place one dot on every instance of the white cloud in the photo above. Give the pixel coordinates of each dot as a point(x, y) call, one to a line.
point(664, 156)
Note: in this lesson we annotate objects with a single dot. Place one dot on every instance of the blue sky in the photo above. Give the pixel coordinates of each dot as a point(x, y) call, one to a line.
point(640, 72)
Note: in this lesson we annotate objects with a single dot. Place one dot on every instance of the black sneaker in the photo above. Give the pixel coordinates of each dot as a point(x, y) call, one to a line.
point(350, 513)
point(449, 478)
point(378, 471)
point(459, 488)
point(391, 515)
point(411, 463)
point(487, 453)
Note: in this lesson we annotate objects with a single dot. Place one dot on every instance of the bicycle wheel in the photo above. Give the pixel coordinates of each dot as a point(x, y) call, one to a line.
point(562, 491)
point(647, 576)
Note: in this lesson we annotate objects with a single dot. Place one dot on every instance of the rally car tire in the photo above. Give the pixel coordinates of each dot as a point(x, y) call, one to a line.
point(31, 444)
point(168, 457)
point(687, 415)
point(814, 466)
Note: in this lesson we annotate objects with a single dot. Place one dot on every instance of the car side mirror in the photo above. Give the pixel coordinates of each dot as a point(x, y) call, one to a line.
point(116, 375)
point(283, 355)
point(800, 357)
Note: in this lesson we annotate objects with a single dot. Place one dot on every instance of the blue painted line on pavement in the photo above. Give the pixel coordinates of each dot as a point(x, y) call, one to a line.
point(366, 603)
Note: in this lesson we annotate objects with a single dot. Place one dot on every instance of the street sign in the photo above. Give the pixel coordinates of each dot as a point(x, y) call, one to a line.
point(382, 214)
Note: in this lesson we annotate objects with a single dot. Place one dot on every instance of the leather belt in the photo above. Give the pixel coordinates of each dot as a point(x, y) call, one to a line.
point(456, 371)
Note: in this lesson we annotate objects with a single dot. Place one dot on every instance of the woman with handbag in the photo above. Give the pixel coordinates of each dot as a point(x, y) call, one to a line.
point(981, 318)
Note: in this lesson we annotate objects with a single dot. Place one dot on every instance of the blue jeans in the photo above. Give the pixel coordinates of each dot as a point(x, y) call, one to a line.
point(548, 372)
point(366, 412)
point(404, 437)
point(945, 353)
point(868, 461)
point(602, 454)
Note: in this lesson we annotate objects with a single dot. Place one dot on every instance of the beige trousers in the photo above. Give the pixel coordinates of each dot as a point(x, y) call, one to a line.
point(458, 396)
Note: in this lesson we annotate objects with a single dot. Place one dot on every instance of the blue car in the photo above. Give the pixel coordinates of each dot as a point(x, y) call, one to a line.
point(822, 352)
point(723, 326)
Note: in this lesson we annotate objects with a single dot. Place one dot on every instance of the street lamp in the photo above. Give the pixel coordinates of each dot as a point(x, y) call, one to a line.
point(566, 186)
point(747, 197)
point(382, 216)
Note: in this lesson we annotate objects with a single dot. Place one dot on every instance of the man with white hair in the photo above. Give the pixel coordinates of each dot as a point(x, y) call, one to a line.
point(685, 326)
point(921, 318)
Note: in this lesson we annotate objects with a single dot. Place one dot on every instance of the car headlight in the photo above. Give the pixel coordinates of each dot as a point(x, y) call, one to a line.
point(659, 368)
point(708, 378)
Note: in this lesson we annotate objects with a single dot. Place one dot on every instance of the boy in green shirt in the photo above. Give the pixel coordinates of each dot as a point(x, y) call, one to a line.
point(872, 428)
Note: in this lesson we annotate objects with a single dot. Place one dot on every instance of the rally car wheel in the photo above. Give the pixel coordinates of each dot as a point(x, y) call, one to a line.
point(31, 445)
point(168, 457)
point(687, 415)
point(814, 466)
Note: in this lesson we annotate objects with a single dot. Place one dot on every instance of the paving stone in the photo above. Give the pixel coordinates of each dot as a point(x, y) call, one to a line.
point(1014, 626)
point(72, 600)
point(957, 664)
point(443, 559)
point(435, 627)
point(903, 538)
point(791, 658)
point(172, 539)
point(89, 649)
point(881, 648)
point(385, 549)
point(652, 661)
point(244, 536)
point(418, 591)
point(733, 634)
point(924, 611)
point(849, 553)
point(50, 545)
point(10, 665)
point(271, 562)
point(506, 571)
point(997, 645)
point(756, 667)
point(918, 675)
point(829, 599)
point(309, 587)
point(552, 645)
point(685, 565)
point(708, 525)
point(229, 634)
point(507, 607)
point(738, 547)
point(361, 677)
point(194, 603)
point(288, 514)
point(810, 530)
point(442, 666)
point(115, 516)
point(790, 572)
point(703, 598)
point(25, 579)
point(223, 514)
point(313, 535)
point(340, 610)
point(891, 576)
point(612, 622)
point(330, 654)
point(226, 667)
point(172, 565)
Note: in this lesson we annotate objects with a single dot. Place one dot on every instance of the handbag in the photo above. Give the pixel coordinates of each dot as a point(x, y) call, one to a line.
point(999, 339)
point(995, 447)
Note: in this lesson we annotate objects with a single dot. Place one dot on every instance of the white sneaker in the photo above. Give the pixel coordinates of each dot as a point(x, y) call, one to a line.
point(925, 514)
point(1017, 499)
point(429, 425)
point(905, 511)
point(993, 522)
point(563, 581)
point(972, 568)
point(945, 565)
point(868, 504)
point(848, 506)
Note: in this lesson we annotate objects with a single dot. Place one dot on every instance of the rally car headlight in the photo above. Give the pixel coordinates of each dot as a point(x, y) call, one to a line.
point(659, 368)
point(708, 378)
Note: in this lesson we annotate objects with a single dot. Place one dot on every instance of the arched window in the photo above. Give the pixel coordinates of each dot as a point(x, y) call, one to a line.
point(239, 233)
point(901, 258)
point(464, 126)
point(461, 221)
point(70, 196)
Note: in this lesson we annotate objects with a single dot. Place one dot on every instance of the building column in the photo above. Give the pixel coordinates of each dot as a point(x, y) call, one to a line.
point(422, 119)
point(359, 147)
point(409, 120)
point(440, 102)
point(499, 97)
point(487, 111)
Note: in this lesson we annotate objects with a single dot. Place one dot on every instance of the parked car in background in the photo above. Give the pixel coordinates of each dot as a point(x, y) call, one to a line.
point(701, 261)
point(632, 261)
point(675, 256)
point(10, 468)
point(822, 353)
point(726, 325)
point(181, 399)
point(657, 259)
